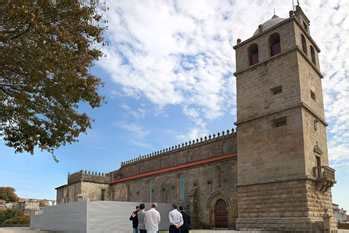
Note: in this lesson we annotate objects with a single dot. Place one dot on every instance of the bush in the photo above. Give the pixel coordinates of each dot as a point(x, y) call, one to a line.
point(18, 220)
point(9, 214)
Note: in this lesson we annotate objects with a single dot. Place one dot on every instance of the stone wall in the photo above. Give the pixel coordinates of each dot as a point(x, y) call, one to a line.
point(203, 186)
point(89, 176)
point(295, 206)
point(82, 191)
point(195, 175)
point(203, 148)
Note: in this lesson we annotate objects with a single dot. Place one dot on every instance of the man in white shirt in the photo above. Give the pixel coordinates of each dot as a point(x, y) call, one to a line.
point(176, 219)
point(152, 220)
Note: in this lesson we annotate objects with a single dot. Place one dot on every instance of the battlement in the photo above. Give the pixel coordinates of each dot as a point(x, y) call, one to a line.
point(183, 146)
point(89, 176)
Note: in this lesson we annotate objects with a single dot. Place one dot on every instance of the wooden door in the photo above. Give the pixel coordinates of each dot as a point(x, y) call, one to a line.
point(221, 214)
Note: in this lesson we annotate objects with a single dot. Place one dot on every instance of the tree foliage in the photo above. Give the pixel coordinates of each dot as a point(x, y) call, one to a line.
point(13, 216)
point(46, 50)
point(8, 194)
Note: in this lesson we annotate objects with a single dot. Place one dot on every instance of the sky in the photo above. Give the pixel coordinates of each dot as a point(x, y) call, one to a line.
point(168, 77)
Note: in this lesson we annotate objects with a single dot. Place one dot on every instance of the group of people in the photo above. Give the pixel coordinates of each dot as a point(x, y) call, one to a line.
point(148, 221)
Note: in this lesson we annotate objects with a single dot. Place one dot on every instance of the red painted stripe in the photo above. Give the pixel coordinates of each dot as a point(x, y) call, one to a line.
point(176, 168)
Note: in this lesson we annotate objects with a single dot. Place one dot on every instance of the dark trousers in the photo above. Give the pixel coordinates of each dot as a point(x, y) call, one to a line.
point(142, 231)
point(184, 230)
point(173, 229)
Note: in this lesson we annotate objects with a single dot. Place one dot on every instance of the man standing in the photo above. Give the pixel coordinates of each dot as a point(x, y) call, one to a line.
point(152, 220)
point(141, 219)
point(186, 221)
point(176, 220)
point(134, 220)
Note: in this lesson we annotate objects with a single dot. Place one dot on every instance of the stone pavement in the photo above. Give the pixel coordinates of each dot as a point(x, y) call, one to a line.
point(28, 230)
point(19, 230)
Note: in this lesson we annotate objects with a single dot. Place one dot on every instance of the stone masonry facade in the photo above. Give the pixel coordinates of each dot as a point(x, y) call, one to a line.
point(194, 174)
point(271, 174)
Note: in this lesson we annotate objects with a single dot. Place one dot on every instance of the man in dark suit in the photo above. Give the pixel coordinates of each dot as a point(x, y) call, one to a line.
point(134, 219)
point(186, 221)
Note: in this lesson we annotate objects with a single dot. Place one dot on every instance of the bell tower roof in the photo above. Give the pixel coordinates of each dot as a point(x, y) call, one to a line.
point(268, 24)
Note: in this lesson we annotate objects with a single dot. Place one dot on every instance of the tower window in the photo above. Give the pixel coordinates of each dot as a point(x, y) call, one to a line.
point(274, 43)
point(279, 122)
point(276, 90)
point(305, 26)
point(312, 95)
point(253, 54)
point(304, 45)
point(312, 52)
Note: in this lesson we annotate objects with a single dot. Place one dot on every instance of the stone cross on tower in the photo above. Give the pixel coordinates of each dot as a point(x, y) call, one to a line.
point(283, 175)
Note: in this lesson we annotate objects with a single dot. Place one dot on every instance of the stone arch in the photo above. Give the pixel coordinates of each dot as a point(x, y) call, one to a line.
point(221, 214)
point(211, 204)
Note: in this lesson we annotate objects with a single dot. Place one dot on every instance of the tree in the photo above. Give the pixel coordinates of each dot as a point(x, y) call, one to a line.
point(13, 216)
point(46, 50)
point(8, 194)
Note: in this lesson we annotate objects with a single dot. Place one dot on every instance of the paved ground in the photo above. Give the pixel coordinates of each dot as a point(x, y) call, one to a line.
point(19, 230)
point(28, 230)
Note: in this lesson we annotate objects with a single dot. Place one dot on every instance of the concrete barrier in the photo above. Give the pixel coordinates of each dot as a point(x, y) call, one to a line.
point(92, 217)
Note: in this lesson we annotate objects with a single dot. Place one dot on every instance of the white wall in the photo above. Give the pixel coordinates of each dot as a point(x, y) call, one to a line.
point(92, 217)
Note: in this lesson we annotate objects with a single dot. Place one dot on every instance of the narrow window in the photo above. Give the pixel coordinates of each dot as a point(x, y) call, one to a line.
point(274, 43)
point(279, 122)
point(312, 95)
point(209, 184)
point(181, 187)
point(318, 166)
point(304, 45)
point(312, 52)
point(276, 90)
point(103, 195)
point(316, 124)
point(150, 191)
point(253, 54)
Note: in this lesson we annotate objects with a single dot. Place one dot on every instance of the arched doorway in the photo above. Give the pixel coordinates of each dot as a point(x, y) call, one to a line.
point(221, 214)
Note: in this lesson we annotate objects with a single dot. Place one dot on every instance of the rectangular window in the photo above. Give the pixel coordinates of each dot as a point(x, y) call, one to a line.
point(312, 95)
point(279, 122)
point(276, 90)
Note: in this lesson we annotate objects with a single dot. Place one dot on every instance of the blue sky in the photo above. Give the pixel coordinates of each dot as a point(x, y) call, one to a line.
point(168, 77)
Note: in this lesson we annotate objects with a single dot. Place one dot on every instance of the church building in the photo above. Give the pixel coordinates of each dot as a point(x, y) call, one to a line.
point(271, 173)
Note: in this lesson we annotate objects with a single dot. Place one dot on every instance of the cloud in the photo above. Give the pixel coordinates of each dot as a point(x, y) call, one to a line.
point(171, 53)
point(137, 133)
point(135, 112)
point(179, 53)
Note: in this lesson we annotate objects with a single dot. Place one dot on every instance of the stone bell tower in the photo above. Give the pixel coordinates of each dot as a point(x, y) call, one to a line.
point(284, 179)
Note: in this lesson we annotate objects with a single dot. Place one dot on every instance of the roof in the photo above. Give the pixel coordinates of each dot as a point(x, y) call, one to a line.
point(268, 24)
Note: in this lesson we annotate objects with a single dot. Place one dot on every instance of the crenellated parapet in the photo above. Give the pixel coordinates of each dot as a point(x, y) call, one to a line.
point(183, 146)
point(89, 176)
